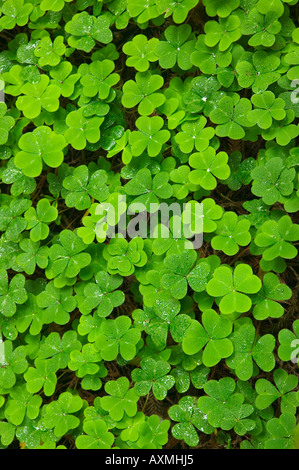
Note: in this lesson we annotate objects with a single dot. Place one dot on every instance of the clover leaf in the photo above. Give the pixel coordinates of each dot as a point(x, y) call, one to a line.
point(262, 28)
point(58, 303)
point(178, 10)
point(148, 191)
point(153, 433)
point(64, 78)
point(268, 393)
point(86, 361)
point(123, 256)
point(265, 301)
point(194, 134)
point(81, 129)
point(15, 363)
point(225, 408)
point(248, 348)
point(7, 123)
point(60, 413)
point(272, 180)
point(85, 30)
point(58, 349)
point(21, 403)
point(216, 7)
point(231, 116)
point(181, 271)
point(41, 145)
point(232, 287)
point(288, 343)
point(211, 336)
point(208, 58)
point(275, 238)
point(81, 186)
point(32, 254)
point(117, 337)
point(266, 108)
point(38, 96)
point(177, 47)
point(41, 376)
point(97, 78)
point(208, 166)
point(12, 292)
point(96, 437)
point(20, 184)
point(153, 375)
point(231, 233)
point(141, 51)
point(150, 136)
point(240, 171)
point(189, 418)
point(11, 219)
point(38, 219)
point(142, 91)
point(122, 399)
point(258, 71)
point(14, 12)
point(49, 52)
point(281, 431)
point(30, 316)
point(101, 295)
point(66, 258)
point(223, 33)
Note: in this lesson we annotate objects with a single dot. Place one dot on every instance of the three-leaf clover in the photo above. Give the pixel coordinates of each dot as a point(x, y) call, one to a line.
point(12, 292)
point(232, 286)
point(225, 408)
point(265, 301)
point(150, 136)
point(177, 47)
point(120, 399)
point(231, 116)
point(143, 91)
point(141, 51)
point(117, 337)
point(223, 33)
point(230, 233)
point(38, 96)
point(266, 108)
point(276, 238)
point(194, 134)
point(97, 435)
point(21, 403)
point(97, 78)
point(123, 256)
point(81, 186)
point(248, 348)
point(101, 295)
point(148, 191)
point(57, 303)
point(66, 258)
point(208, 166)
point(60, 413)
point(153, 375)
point(82, 129)
point(272, 179)
point(41, 145)
point(268, 393)
point(211, 335)
point(189, 418)
point(85, 30)
point(39, 218)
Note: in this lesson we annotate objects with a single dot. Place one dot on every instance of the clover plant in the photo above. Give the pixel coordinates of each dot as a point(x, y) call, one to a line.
point(149, 227)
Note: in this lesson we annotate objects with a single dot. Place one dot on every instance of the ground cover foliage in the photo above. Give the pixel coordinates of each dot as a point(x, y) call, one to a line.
point(144, 343)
